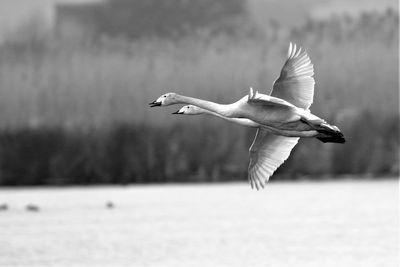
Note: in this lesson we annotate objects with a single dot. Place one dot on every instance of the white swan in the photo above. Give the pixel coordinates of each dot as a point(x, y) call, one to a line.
point(267, 152)
point(285, 113)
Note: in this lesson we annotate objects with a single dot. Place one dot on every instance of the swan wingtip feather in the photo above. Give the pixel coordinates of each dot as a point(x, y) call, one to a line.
point(289, 50)
point(251, 92)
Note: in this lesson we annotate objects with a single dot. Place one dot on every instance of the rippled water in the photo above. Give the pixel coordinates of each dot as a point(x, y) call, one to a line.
point(346, 223)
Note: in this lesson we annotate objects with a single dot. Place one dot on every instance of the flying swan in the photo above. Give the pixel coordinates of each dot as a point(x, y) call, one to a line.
point(281, 118)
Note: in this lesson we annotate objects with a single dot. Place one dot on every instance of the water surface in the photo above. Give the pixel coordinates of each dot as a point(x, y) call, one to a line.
point(346, 223)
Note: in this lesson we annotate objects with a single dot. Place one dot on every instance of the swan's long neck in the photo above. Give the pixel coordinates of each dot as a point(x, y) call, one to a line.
point(240, 121)
point(220, 109)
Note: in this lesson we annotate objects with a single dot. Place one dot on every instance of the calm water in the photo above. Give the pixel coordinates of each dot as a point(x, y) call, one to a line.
point(343, 223)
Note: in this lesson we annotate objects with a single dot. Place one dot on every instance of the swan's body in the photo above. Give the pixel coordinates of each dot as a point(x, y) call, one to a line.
point(194, 110)
point(285, 113)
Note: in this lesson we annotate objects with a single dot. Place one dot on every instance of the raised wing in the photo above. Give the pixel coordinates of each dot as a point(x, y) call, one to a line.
point(295, 83)
point(255, 97)
point(267, 153)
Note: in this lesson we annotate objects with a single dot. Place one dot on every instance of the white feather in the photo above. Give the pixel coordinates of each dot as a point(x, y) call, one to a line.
point(267, 153)
point(291, 85)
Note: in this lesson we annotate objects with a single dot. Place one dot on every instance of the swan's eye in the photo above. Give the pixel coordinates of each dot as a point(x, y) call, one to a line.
point(165, 96)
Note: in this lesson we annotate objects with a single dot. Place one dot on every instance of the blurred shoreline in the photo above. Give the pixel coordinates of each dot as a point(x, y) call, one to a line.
point(239, 182)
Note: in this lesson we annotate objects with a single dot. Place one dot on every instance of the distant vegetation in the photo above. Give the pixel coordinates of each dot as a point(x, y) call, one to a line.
point(77, 113)
point(170, 19)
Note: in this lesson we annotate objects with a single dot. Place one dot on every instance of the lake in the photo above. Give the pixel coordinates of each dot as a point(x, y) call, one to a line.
point(330, 223)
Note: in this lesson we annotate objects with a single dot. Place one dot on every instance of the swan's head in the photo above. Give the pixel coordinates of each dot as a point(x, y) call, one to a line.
point(190, 110)
point(165, 100)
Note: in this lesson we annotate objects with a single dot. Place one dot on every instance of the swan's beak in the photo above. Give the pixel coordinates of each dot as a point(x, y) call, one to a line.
point(178, 112)
point(155, 104)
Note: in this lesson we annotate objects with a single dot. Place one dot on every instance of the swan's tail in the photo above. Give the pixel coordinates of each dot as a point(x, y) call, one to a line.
point(327, 133)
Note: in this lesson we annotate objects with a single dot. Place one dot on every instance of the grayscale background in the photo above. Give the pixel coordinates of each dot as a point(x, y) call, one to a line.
point(91, 176)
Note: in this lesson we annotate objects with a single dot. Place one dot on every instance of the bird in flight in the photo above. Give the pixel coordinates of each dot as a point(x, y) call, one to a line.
point(281, 118)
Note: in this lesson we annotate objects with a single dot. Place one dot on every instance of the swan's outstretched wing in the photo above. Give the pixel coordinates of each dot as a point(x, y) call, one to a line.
point(267, 153)
point(295, 83)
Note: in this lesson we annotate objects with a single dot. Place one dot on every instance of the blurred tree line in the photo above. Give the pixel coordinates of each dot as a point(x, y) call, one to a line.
point(172, 19)
point(77, 114)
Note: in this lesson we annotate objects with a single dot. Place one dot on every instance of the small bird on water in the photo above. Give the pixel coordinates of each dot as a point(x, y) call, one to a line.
point(32, 207)
point(110, 205)
point(3, 207)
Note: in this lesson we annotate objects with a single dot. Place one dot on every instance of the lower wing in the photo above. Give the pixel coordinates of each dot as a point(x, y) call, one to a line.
point(267, 153)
